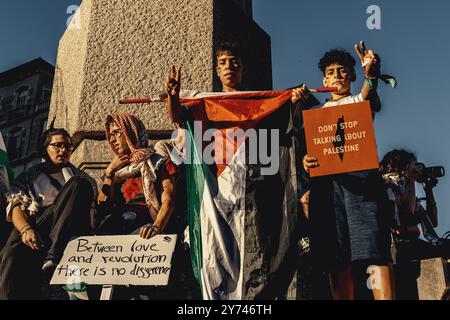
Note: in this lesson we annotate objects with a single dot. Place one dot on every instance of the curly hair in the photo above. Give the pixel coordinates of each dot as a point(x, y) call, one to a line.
point(397, 160)
point(339, 56)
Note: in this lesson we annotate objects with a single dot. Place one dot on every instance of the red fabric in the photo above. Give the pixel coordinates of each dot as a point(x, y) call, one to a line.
point(242, 107)
point(132, 190)
point(231, 113)
point(168, 169)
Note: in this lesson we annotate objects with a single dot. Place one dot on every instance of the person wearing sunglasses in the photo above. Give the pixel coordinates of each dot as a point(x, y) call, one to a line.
point(48, 204)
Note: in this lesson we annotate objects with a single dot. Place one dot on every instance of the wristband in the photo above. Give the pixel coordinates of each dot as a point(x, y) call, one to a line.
point(156, 229)
point(22, 232)
point(110, 177)
point(371, 83)
point(25, 226)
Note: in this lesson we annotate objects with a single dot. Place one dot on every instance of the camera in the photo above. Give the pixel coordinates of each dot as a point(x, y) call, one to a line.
point(430, 173)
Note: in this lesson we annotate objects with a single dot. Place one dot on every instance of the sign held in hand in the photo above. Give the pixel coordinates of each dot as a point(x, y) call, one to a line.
point(341, 138)
point(116, 260)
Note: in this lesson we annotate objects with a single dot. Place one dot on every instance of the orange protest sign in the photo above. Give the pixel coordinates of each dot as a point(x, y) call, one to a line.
point(341, 138)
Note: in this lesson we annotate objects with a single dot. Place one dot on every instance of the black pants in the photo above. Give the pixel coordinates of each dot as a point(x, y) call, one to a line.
point(68, 216)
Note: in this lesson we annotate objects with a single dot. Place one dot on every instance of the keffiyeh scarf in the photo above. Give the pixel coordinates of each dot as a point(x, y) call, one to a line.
point(143, 158)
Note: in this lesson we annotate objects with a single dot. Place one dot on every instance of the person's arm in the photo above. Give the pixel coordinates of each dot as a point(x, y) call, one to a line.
point(166, 210)
point(18, 199)
point(370, 93)
point(372, 65)
point(304, 201)
point(29, 236)
point(106, 191)
point(432, 210)
point(172, 87)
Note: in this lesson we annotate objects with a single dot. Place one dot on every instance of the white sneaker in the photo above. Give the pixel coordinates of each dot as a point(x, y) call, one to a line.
point(48, 264)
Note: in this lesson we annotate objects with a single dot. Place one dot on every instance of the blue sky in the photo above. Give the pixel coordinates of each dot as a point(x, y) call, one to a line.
point(413, 45)
point(412, 42)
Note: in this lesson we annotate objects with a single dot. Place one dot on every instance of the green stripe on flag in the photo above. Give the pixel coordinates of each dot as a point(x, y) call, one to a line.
point(4, 161)
point(198, 175)
point(195, 179)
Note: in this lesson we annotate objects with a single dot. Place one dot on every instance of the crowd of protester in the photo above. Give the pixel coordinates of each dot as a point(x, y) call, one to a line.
point(352, 218)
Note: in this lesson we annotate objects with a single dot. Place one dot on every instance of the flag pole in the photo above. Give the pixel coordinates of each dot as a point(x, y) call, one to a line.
point(148, 100)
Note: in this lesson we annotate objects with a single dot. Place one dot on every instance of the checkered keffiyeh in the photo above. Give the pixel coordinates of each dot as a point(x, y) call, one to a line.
point(135, 133)
point(137, 139)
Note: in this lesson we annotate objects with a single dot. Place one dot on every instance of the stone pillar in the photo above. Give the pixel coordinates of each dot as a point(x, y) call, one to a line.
point(433, 279)
point(124, 48)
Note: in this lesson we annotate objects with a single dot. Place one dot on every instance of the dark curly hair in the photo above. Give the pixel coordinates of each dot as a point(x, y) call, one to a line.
point(47, 137)
point(339, 56)
point(397, 160)
point(231, 47)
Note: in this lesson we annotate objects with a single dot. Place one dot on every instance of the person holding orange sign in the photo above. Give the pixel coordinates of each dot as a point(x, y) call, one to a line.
point(350, 226)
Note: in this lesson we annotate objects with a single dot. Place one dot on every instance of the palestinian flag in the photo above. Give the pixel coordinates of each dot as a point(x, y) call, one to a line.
point(5, 168)
point(242, 193)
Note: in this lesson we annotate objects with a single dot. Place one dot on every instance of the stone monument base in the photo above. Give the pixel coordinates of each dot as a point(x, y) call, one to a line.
point(422, 280)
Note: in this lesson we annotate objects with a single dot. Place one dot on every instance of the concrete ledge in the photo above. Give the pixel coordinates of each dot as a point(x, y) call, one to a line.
point(433, 279)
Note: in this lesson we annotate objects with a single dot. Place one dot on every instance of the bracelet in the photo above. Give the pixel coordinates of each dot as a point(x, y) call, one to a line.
point(24, 227)
point(110, 177)
point(156, 229)
point(371, 83)
point(22, 232)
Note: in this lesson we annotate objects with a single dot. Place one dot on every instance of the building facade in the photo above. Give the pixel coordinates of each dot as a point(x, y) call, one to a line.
point(246, 6)
point(25, 93)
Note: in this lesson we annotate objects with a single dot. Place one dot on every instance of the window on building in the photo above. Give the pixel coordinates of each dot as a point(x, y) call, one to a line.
point(44, 101)
point(16, 142)
point(22, 99)
point(46, 93)
point(7, 103)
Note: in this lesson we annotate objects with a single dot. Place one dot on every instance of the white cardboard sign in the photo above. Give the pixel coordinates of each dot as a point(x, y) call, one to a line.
point(116, 260)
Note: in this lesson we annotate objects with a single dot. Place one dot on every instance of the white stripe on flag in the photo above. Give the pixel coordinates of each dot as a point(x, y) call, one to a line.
point(2, 143)
point(222, 225)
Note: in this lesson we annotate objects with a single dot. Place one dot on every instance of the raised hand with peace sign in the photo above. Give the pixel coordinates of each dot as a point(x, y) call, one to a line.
point(370, 61)
point(172, 84)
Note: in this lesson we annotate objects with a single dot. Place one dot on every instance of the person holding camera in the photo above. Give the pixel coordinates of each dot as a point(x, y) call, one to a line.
point(401, 171)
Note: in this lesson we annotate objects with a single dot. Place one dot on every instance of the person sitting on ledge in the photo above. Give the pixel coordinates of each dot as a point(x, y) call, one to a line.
point(138, 196)
point(48, 204)
point(138, 185)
